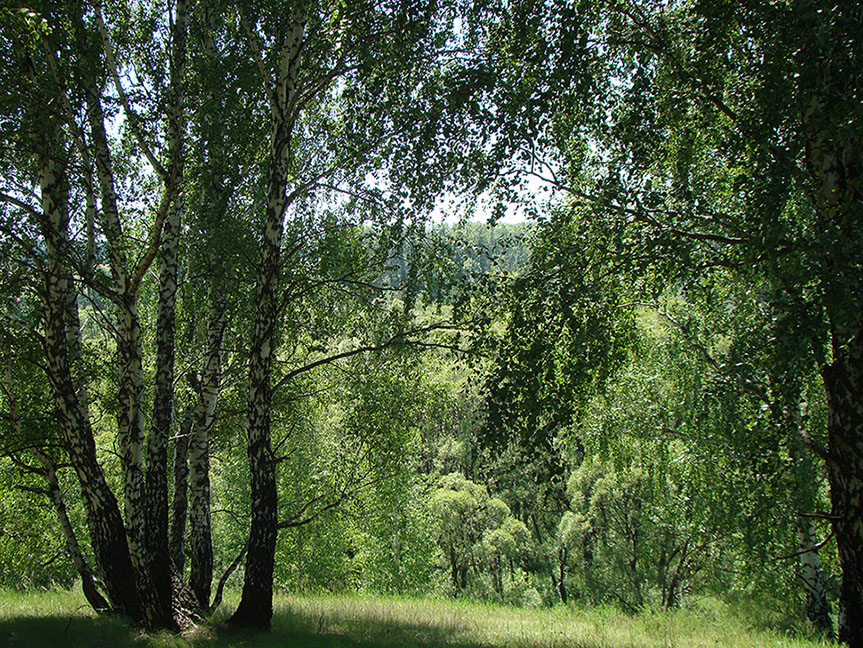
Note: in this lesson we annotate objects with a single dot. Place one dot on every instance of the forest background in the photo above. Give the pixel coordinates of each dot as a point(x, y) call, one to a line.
point(237, 351)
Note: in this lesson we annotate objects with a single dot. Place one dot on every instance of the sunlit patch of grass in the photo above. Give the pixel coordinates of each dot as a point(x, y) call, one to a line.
point(31, 603)
point(413, 622)
point(60, 619)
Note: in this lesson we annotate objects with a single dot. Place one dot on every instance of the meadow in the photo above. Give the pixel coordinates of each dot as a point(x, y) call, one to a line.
point(58, 618)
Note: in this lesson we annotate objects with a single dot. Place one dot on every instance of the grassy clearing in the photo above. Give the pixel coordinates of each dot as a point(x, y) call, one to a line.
point(62, 620)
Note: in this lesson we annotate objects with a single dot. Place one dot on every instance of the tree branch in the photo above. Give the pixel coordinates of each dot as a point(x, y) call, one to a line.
point(220, 589)
point(256, 54)
point(399, 339)
point(796, 554)
point(133, 117)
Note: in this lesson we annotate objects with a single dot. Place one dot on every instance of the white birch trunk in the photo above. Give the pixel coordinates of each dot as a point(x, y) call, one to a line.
point(256, 605)
point(103, 514)
point(200, 536)
point(817, 608)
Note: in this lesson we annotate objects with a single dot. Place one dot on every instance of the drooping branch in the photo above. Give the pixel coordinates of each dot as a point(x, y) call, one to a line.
point(746, 384)
point(134, 120)
point(402, 339)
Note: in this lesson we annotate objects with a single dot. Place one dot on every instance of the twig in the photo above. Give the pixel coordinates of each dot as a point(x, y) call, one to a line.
point(805, 551)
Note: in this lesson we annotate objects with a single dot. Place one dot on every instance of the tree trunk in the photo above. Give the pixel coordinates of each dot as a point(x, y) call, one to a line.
point(130, 438)
point(817, 607)
point(156, 509)
point(256, 605)
point(73, 549)
point(103, 514)
point(843, 381)
point(497, 576)
point(805, 494)
point(674, 588)
point(213, 214)
point(180, 499)
point(562, 554)
point(52, 490)
point(130, 422)
point(453, 563)
point(152, 571)
point(200, 534)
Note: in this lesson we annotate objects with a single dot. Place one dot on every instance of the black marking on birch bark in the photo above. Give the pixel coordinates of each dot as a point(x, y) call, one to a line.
point(256, 605)
point(200, 535)
point(103, 515)
point(156, 505)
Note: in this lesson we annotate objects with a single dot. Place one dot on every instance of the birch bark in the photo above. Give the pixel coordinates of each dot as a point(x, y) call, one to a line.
point(145, 495)
point(835, 163)
point(104, 520)
point(130, 380)
point(817, 609)
point(844, 383)
point(179, 505)
point(200, 534)
point(256, 605)
point(73, 548)
point(160, 423)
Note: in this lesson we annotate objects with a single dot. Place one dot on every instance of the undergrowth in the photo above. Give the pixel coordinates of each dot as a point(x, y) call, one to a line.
point(61, 619)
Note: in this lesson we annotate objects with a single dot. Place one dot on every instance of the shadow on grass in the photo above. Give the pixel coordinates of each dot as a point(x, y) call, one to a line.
point(67, 632)
point(295, 629)
point(289, 630)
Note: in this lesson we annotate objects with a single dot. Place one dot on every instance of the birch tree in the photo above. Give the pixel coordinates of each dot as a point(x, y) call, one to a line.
point(781, 201)
point(716, 138)
point(132, 556)
point(335, 82)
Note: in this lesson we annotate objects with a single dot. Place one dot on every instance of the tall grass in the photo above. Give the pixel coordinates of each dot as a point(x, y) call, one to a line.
point(413, 622)
point(59, 619)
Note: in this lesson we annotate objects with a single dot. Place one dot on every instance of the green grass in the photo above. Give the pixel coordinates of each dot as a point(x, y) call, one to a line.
point(59, 619)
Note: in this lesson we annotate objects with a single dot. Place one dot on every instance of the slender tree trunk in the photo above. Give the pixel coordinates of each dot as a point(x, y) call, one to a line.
point(77, 372)
point(52, 490)
point(130, 438)
point(152, 571)
point(156, 509)
point(208, 387)
point(104, 520)
point(256, 605)
point(497, 575)
point(817, 608)
point(453, 563)
point(843, 381)
point(180, 499)
point(130, 422)
point(806, 496)
point(200, 534)
point(562, 554)
point(670, 600)
point(255, 609)
point(73, 549)
point(675, 584)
